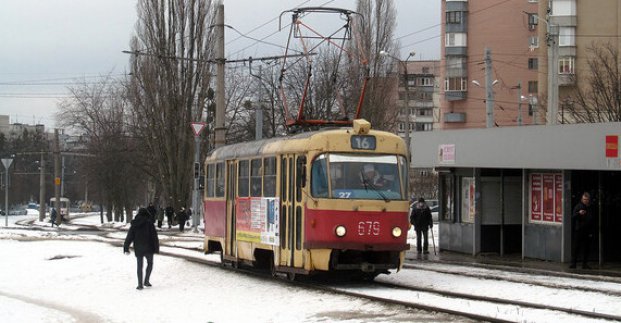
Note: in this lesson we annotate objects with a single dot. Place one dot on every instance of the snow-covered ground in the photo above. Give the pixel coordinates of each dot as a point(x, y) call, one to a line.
point(48, 276)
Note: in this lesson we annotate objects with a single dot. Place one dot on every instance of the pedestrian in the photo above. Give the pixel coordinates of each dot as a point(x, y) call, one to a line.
point(160, 217)
point(170, 213)
point(182, 216)
point(152, 212)
point(420, 217)
point(142, 233)
point(582, 224)
point(53, 215)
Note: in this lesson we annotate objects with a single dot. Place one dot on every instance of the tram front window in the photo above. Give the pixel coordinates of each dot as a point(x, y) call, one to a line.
point(353, 176)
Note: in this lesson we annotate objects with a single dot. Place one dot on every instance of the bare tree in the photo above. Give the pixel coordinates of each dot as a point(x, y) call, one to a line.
point(170, 87)
point(598, 94)
point(98, 111)
point(376, 32)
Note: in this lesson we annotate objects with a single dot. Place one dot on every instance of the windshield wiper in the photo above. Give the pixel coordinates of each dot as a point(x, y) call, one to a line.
point(373, 187)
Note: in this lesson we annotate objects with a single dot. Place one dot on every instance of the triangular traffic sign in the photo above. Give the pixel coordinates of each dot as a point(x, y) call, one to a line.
point(197, 127)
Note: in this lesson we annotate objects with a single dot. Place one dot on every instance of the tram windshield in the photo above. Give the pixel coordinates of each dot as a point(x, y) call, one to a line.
point(354, 176)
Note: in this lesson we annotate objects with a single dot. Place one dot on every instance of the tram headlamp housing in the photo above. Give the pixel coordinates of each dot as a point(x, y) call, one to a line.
point(340, 231)
point(396, 232)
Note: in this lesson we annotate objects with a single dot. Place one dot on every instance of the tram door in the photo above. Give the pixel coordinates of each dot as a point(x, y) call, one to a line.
point(231, 189)
point(290, 212)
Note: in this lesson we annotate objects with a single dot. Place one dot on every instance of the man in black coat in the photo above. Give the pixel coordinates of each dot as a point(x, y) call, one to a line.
point(142, 233)
point(422, 221)
point(582, 223)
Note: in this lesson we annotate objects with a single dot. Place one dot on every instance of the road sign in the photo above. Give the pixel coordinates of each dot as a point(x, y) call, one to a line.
point(197, 127)
point(7, 162)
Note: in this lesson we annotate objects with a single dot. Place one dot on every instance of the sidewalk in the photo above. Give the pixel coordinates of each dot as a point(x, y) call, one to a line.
point(514, 261)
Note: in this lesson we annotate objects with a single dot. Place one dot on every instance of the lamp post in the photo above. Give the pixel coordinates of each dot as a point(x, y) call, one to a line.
point(404, 63)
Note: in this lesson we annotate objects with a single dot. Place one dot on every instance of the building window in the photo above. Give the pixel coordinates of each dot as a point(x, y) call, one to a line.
point(455, 84)
point(563, 7)
point(401, 127)
point(454, 17)
point(566, 65)
point(424, 96)
point(456, 40)
point(532, 21)
point(424, 126)
point(424, 112)
point(533, 42)
point(533, 63)
point(567, 36)
point(533, 86)
point(426, 81)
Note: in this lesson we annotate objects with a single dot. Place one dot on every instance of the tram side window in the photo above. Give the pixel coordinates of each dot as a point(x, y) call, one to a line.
point(243, 179)
point(220, 180)
point(319, 178)
point(269, 177)
point(255, 177)
point(211, 177)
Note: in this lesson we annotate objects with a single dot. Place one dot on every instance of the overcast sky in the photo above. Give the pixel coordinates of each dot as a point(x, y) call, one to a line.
point(47, 45)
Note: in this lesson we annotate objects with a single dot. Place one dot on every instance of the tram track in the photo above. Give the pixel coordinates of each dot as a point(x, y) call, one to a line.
point(380, 291)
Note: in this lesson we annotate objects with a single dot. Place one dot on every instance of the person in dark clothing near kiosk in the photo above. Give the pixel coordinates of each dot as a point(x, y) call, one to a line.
point(182, 216)
point(170, 214)
point(582, 224)
point(422, 221)
point(142, 233)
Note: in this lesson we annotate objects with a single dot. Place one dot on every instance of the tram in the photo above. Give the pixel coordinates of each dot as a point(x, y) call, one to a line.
point(332, 200)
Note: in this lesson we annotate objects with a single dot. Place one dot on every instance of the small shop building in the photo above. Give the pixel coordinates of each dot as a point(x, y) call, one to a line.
point(512, 190)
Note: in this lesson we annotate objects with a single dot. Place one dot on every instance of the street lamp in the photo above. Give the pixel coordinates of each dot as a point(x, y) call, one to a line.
point(404, 63)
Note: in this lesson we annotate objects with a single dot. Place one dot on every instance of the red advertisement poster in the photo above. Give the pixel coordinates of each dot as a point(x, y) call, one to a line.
point(558, 199)
point(535, 197)
point(548, 197)
point(612, 146)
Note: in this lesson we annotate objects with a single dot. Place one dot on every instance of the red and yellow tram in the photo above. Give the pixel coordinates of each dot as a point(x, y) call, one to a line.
point(323, 201)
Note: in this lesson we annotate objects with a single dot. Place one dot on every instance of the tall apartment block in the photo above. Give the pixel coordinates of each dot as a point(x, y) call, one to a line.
point(509, 31)
point(422, 103)
point(581, 26)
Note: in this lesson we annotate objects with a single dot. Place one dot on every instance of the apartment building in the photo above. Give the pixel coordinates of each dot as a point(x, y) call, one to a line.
point(421, 106)
point(509, 30)
point(581, 26)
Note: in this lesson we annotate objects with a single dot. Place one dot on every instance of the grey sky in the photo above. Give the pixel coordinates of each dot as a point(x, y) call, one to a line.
point(48, 44)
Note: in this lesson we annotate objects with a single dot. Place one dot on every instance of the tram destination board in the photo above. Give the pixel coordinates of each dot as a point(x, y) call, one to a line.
point(363, 142)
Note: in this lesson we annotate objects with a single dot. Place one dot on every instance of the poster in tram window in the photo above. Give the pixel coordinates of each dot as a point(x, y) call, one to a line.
point(558, 199)
point(257, 220)
point(535, 197)
point(548, 197)
point(467, 200)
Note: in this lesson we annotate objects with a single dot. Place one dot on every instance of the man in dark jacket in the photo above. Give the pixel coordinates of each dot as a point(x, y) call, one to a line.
point(422, 221)
point(152, 212)
point(582, 223)
point(170, 213)
point(182, 216)
point(142, 233)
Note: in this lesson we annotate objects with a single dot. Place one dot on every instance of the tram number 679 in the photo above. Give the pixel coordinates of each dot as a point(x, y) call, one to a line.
point(368, 228)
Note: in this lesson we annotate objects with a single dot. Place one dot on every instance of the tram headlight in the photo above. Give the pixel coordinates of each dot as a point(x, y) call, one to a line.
point(396, 232)
point(340, 231)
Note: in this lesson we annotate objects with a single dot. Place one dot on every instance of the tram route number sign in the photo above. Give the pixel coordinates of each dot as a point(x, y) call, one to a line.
point(363, 142)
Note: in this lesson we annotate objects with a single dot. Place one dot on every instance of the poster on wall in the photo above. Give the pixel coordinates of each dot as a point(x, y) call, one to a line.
point(535, 197)
point(467, 200)
point(257, 219)
point(546, 198)
point(558, 199)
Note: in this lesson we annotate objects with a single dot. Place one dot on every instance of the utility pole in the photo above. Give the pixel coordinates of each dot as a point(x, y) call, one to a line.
point(57, 176)
point(219, 128)
point(552, 74)
point(489, 92)
point(42, 188)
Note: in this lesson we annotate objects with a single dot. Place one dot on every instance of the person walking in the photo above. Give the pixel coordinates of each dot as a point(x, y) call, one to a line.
point(142, 233)
point(420, 218)
point(170, 213)
point(182, 216)
point(582, 224)
point(160, 217)
point(53, 215)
